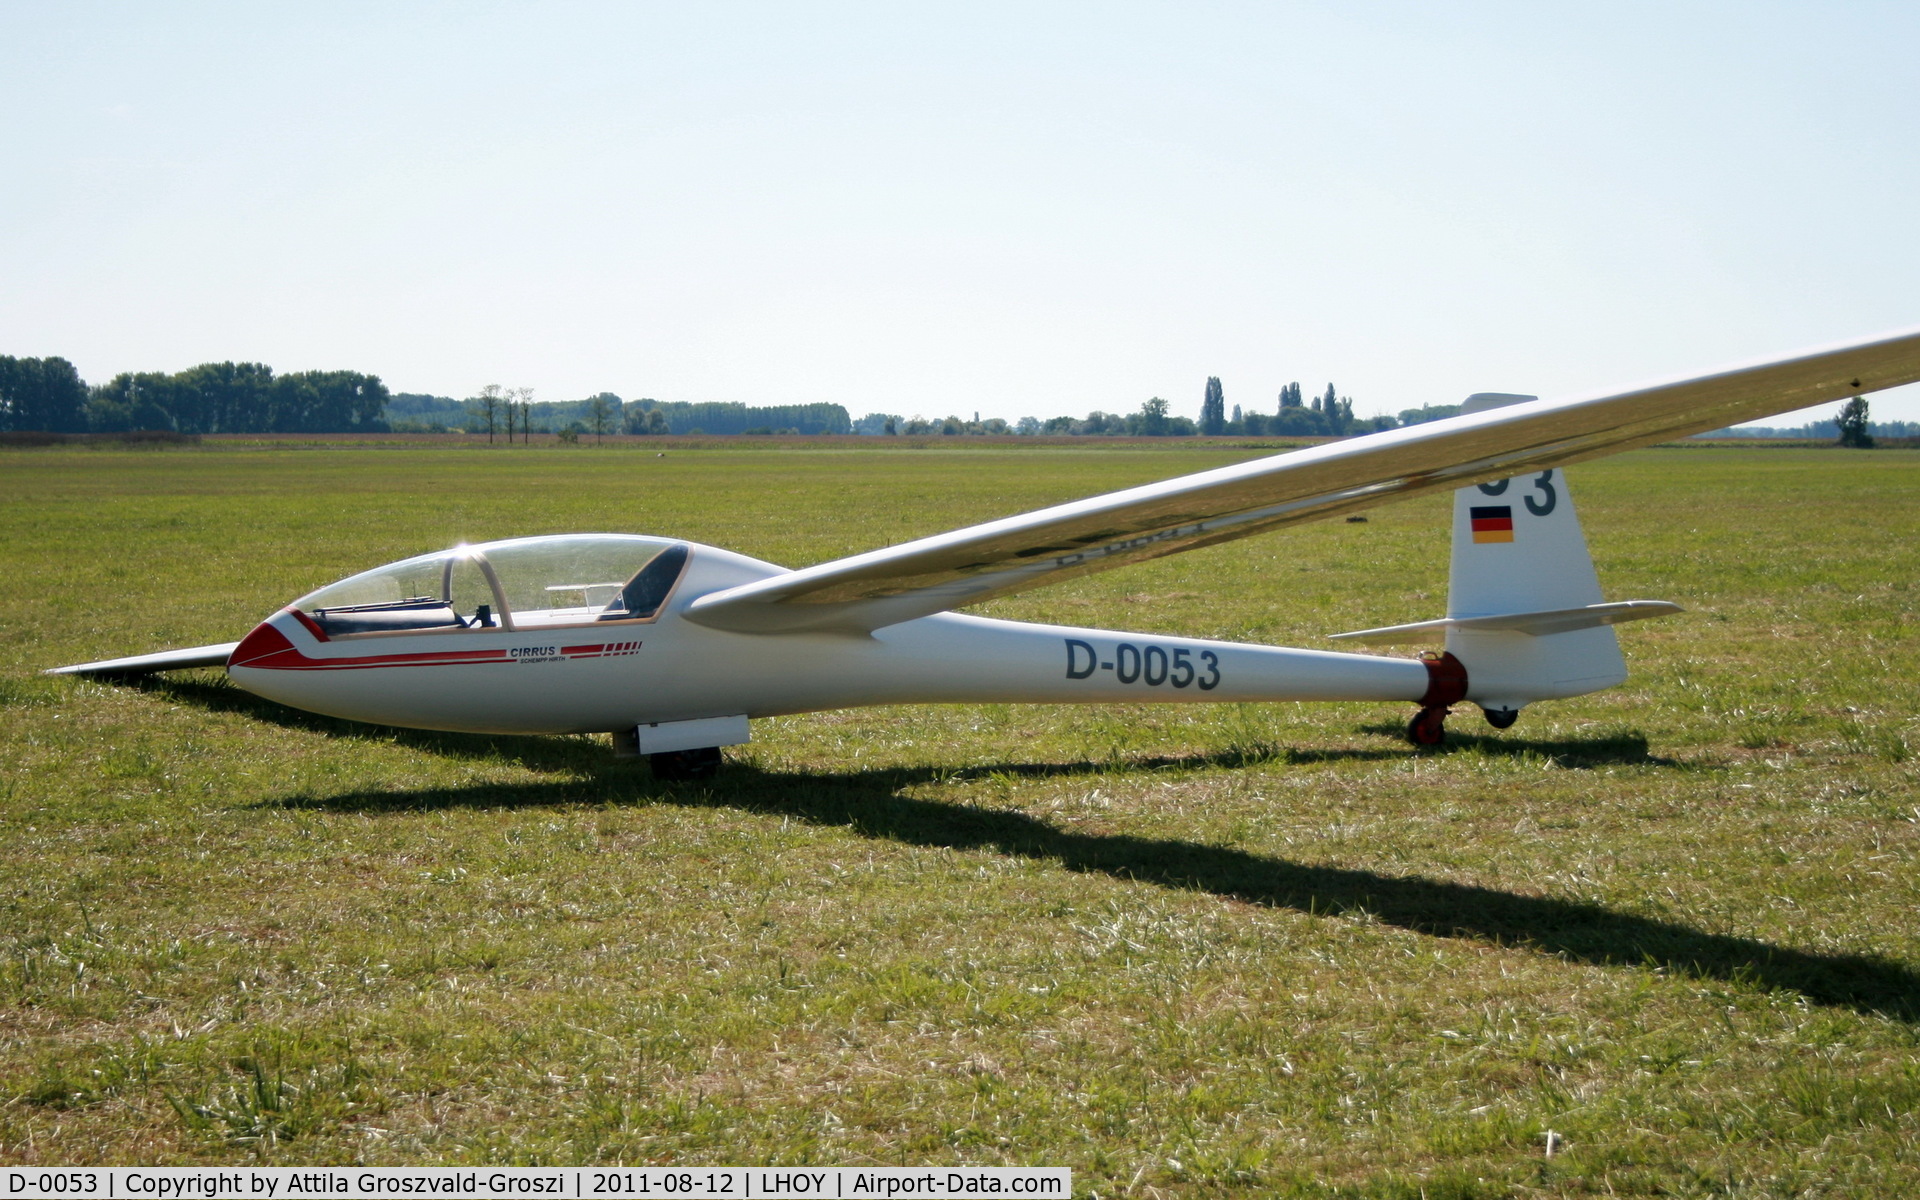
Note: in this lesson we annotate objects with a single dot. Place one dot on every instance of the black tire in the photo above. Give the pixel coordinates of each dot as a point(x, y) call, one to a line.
point(1501, 718)
point(679, 766)
point(1428, 727)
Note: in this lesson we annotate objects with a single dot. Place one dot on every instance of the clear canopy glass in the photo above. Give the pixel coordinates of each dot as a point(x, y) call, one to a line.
point(524, 583)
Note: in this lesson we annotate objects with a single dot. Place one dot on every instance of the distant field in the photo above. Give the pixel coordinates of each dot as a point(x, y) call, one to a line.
point(1184, 951)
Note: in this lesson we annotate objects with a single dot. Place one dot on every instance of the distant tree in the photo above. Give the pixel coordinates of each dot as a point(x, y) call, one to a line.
point(1296, 420)
point(415, 409)
point(132, 402)
point(1213, 409)
point(1335, 412)
point(1852, 421)
point(228, 397)
point(1428, 412)
point(1236, 417)
point(491, 398)
point(639, 417)
point(600, 414)
point(892, 427)
point(656, 423)
point(1290, 396)
point(322, 401)
point(41, 393)
point(235, 398)
point(525, 397)
point(1152, 420)
point(731, 417)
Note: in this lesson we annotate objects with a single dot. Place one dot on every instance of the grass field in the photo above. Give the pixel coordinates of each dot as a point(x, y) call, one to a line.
point(1184, 951)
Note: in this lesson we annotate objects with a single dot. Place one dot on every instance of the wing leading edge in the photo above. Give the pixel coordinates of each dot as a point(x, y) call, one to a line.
point(147, 664)
point(966, 566)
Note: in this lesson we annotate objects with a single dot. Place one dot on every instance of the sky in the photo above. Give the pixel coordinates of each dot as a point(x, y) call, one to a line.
point(1010, 209)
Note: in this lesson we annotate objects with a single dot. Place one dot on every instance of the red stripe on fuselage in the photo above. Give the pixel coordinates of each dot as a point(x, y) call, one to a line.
point(603, 650)
point(269, 649)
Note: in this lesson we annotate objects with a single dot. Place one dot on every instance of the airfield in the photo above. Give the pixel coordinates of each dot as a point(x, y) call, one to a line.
point(1662, 940)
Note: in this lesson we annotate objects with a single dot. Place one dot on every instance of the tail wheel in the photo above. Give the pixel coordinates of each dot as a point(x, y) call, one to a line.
point(679, 766)
point(1501, 718)
point(1429, 726)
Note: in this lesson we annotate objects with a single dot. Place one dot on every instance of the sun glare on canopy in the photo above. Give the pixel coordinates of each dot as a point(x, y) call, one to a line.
point(524, 583)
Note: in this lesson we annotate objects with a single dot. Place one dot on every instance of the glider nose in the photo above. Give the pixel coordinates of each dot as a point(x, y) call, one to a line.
point(276, 661)
point(266, 647)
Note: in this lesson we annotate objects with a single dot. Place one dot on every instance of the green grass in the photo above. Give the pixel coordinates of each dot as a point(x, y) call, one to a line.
point(1184, 951)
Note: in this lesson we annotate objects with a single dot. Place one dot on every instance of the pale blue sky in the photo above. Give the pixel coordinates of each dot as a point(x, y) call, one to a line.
point(914, 208)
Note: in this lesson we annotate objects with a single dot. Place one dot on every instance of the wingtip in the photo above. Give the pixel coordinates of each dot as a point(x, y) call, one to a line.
point(147, 664)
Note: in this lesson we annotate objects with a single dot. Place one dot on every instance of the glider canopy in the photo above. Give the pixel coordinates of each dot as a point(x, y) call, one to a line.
point(524, 583)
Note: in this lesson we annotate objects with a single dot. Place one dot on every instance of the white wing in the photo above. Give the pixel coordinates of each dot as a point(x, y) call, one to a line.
point(966, 566)
point(146, 664)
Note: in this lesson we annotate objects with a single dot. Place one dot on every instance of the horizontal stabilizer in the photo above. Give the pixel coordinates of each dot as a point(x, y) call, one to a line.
point(147, 664)
point(1556, 620)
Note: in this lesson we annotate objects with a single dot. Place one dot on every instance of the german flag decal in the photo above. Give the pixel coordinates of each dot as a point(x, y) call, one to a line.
point(1492, 523)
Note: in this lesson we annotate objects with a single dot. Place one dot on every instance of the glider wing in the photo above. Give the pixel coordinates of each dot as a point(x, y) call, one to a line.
point(966, 566)
point(147, 664)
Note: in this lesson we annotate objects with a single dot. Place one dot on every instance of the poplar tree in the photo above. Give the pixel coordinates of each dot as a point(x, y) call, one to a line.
point(1213, 409)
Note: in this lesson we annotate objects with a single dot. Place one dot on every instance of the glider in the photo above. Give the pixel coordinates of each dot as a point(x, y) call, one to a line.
point(674, 647)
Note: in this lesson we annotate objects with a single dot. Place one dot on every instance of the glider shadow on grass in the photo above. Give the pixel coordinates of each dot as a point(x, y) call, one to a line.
point(575, 754)
point(875, 803)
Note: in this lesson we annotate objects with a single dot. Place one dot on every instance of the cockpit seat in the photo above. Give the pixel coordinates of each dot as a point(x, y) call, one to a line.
point(649, 587)
point(399, 616)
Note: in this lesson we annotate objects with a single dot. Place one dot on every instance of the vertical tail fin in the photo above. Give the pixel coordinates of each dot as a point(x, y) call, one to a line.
point(1518, 549)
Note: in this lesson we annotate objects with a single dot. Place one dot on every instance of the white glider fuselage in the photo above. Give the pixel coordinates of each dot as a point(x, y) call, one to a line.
point(580, 673)
point(673, 647)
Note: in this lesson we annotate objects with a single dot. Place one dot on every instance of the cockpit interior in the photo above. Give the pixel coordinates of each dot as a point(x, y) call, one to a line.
point(525, 583)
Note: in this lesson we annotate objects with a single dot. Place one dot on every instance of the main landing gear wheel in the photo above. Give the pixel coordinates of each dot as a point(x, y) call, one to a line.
point(1429, 726)
point(679, 766)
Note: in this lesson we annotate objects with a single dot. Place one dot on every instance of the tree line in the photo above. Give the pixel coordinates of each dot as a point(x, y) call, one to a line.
point(606, 413)
point(42, 394)
point(48, 394)
point(1328, 414)
point(1851, 426)
point(227, 397)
